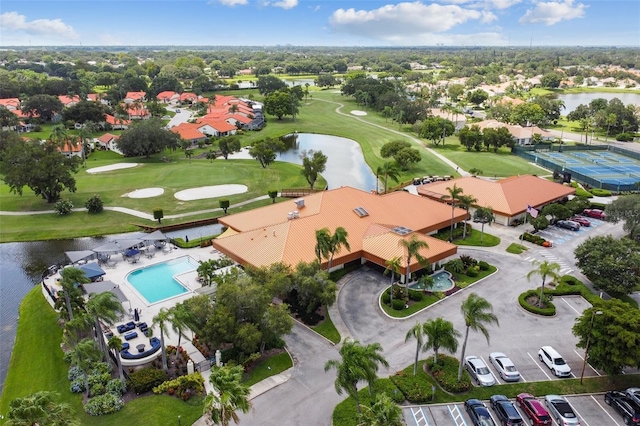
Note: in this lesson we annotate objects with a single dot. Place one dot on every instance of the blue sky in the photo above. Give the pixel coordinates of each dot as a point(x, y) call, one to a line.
point(321, 22)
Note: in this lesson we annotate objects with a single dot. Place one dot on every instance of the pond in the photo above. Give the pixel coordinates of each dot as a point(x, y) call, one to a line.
point(573, 100)
point(345, 161)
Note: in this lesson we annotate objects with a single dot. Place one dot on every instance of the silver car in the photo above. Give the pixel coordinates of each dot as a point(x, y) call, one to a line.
point(479, 371)
point(634, 393)
point(560, 409)
point(506, 369)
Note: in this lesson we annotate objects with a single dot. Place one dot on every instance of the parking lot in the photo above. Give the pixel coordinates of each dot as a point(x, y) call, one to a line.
point(560, 236)
point(591, 410)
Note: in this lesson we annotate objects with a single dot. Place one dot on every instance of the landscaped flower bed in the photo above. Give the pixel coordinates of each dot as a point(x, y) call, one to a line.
point(446, 374)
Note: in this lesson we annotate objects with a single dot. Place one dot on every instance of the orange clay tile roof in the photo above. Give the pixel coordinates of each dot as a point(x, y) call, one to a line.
point(219, 124)
point(68, 99)
point(10, 102)
point(266, 235)
point(112, 120)
point(167, 94)
point(188, 96)
point(67, 147)
point(107, 137)
point(135, 95)
point(508, 197)
point(188, 131)
point(241, 118)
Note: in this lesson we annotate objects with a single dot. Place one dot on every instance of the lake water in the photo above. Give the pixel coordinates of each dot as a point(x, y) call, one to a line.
point(573, 100)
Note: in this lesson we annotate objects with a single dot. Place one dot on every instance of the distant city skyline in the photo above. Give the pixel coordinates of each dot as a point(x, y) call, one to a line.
point(366, 23)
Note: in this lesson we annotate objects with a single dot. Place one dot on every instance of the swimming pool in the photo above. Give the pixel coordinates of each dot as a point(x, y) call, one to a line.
point(441, 282)
point(156, 282)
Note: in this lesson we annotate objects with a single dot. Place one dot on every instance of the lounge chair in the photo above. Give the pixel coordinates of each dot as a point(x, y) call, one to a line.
point(131, 335)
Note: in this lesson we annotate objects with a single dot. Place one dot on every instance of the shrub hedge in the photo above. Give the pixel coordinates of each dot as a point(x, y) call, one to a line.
point(549, 311)
point(535, 239)
point(601, 192)
point(416, 389)
point(103, 404)
point(583, 193)
point(446, 374)
point(145, 379)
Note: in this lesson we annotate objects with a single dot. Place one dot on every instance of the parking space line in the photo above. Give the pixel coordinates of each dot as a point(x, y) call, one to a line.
point(538, 364)
point(490, 371)
point(419, 417)
point(576, 411)
point(605, 411)
point(568, 304)
point(456, 415)
point(590, 366)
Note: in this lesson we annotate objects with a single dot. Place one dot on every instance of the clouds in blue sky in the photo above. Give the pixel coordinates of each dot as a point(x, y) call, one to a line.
point(320, 22)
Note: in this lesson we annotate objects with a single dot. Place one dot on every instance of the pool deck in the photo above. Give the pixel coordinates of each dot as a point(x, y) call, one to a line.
point(117, 274)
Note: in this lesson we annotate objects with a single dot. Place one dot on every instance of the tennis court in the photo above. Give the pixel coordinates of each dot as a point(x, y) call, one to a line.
point(609, 168)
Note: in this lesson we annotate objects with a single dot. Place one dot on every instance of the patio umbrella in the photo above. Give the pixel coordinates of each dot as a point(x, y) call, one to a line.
point(128, 243)
point(75, 256)
point(92, 270)
point(108, 248)
point(155, 236)
point(103, 286)
point(131, 252)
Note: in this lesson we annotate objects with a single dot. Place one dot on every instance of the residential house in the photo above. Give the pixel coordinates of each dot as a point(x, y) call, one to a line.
point(132, 97)
point(69, 101)
point(98, 97)
point(190, 132)
point(117, 123)
point(168, 97)
point(188, 98)
point(71, 150)
point(107, 142)
point(508, 198)
point(216, 127)
point(521, 135)
point(137, 112)
point(12, 104)
point(458, 119)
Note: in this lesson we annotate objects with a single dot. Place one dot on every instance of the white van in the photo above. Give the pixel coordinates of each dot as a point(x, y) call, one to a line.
point(554, 361)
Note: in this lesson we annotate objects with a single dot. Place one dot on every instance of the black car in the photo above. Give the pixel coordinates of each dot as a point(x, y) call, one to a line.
point(627, 407)
point(505, 411)
point(568, 224)
point(478, 413)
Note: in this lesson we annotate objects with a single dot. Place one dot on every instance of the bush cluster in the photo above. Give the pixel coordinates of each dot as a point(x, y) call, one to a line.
point(194, 383)
point(601, 192)
point(416, 389)
point(63, 207)
point(548, 311)
point(103, 404)
point(624, 137)
point(535, 239)
point(446, 374)
point(145, 379)
point(94, 205)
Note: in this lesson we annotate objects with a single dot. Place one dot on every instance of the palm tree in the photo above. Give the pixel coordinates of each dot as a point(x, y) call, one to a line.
point(387, 170)
point(358, 363)
point(179, 319)
point(76, 329)
point(384, 412)
point(610, 120)
point(545, 269)
point(104, 307)
point(476, 312)
point(466, 201)
point(83, 356)
point(337, 241)
point(413, 246)
point(485, 214)
point(228, 396)
point(115, 344)
point(454, 196)
point(440, 334)
point(70, 279)
point(87, 129)
point(161, 320)
point(393, 265)
point(323, 243)
point(40, 409)
point(58, 135)
point(416, 332)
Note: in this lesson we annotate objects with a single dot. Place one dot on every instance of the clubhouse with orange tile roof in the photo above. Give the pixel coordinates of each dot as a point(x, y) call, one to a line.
point(508, 198)
point(285, 232)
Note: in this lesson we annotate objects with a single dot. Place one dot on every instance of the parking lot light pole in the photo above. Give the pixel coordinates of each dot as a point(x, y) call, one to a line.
point(586, 349)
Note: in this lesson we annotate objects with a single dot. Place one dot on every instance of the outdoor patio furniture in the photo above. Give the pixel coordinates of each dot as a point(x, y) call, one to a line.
point(142, 325)
point(122, 328)
point(140, 347)
point(108, 335)
point(125, 346)
point(131, 335)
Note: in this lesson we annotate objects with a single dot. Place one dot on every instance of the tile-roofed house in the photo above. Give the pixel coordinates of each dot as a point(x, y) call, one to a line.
point(69, 101)
point(137, 112)
point(117, 123)
point(167, 96)
point(190, 132)
point(71, 150)
point(11, 104)
point(216, 126)
point(108, 141)
point(521, 135)
point(508, 198)
point(188, 97)
point(285, 232)
point(98, 97)
point(459, 120)
point(131, 97)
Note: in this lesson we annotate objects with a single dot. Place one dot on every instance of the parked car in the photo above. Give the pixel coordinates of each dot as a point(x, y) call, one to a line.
point(625, 405)
point(534, 409)
point(634, 393)
point(596, 213)
point(552, 359)
point(505, 411)
point(568, 224)
point(583, 221)
point(479, 371)
point(178, 110)
point(478, 412)
point(506, 369)
point(560, 409)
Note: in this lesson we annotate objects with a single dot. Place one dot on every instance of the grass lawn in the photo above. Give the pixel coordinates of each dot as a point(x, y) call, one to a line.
point(327, 329)
point(516, 248)
point(473, 239)
point(269, 367)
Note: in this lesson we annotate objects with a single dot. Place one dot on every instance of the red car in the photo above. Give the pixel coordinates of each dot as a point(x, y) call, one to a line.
point(596, 213)
point(581, 220)
point(534, 409)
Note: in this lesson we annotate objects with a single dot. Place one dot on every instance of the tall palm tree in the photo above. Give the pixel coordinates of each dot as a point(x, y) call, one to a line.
point(416, 332)
point(40, 408)
point(58, 134)
point(440, 334)
point(545, 269)
point(610, 120)
point(485, 214)
point(476, 312)
point(387, 170)
point(77, 329)
point(358, 363)
point(383, 412)
point(161, 320)
point(85, 132)
point(337, 241)
point(466, 201)
point(228, 396)
point(70, 279)
point(115, 344)
point(83, 356)
point(323, 244)
point(104, 307)
point(413, 246)
point(179, 319)
point(454, 196)
point(393, 265)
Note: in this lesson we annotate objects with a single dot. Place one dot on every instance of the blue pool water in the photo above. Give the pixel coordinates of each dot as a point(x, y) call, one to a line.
point(156, 282)
point(441, 282)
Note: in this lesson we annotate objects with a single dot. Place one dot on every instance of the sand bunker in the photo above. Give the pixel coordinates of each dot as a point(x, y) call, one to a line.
point(145, 193)
point(210, 192)
point(358, 112)
point(111, 167)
